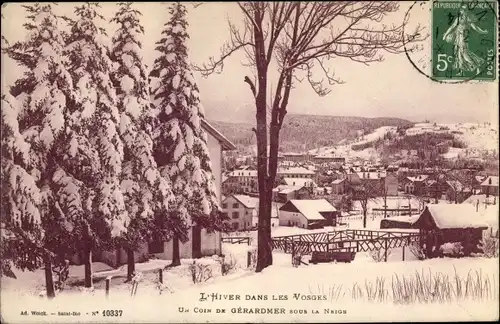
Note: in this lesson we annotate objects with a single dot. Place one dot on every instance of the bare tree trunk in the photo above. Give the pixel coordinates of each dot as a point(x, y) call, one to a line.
point(130, 264)
point(87, 255)
point(176, 259)
point(365, 212)
point(49, 279)
point(264, 251)
point(264, 247)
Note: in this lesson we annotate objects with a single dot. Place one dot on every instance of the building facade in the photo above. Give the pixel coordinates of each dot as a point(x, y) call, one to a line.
point(241, 211)
point(200, 242)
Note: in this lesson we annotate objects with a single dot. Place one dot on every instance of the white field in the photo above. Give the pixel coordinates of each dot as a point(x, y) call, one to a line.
point(336, 283)
point(345, 150)
point(479, 137)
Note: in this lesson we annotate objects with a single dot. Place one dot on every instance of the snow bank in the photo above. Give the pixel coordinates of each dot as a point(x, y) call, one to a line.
point(289, 290)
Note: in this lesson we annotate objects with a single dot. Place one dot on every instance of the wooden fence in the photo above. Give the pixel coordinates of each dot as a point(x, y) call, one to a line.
point(344, 241)
point(236, 239)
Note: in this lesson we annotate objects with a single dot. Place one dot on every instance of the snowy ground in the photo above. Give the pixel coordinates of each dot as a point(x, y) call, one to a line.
point(479, 138)
point(346, 287)
point(341, 287)
point(345, 147)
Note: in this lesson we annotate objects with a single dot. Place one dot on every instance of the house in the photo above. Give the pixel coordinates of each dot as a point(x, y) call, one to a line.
point(294, 157)
point(414, 185)
point(391, 184)
point(443, 223)
point(314, 213)
point(490, 186)
point(241, 210)
point(200, 242)
point(284, 193)
point(339, 186)
point(295, 172)
point(241, 181)
point(328, 158)
point(300, 182)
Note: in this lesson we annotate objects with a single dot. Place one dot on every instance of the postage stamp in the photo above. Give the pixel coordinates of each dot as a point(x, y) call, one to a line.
point(464, 40)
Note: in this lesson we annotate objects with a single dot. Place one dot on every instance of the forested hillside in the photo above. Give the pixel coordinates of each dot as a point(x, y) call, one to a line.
point(309, 131)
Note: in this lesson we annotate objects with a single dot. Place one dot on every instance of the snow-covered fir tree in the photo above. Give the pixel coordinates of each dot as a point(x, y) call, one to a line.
point(146, 192)
point(180, 143)
point(33, 123)
point(94, 154)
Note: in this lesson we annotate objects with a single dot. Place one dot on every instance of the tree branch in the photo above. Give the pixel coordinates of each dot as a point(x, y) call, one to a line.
point(252, 86)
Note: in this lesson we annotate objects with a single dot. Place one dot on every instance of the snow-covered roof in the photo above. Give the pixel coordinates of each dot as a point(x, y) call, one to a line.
point(299, 182)
point(225, 143)
point(311, 208)
point(285, 189)
point(288, 190)
point(295, 170)
point(490, 216)
point(247, 201)
point(455, 216)
point(490, 181)
point(337, 181)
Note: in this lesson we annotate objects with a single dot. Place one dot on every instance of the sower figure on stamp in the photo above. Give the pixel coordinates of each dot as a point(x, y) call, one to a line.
point(457, 34)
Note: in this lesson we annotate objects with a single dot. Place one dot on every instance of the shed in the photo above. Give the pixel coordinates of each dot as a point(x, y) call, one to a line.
point(314, 213)
point(443, 223)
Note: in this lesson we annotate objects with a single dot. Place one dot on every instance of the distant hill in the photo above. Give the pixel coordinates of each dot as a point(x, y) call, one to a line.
point(301, 132)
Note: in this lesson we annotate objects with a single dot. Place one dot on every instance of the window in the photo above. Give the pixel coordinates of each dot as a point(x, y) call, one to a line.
point(224, 215)
point(235, 226)
point(235, 205)
point(224, 206)
point(236, 215)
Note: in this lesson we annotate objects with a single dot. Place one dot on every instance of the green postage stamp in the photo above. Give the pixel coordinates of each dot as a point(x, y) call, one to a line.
point(464, 40)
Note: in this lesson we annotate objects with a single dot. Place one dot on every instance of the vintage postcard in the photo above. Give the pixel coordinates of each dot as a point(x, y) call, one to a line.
point(249, 162)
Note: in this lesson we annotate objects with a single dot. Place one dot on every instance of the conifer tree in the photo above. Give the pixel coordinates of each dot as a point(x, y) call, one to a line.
point(146, 192)
point(180, 143)
point(38, 231)
point(94, 154)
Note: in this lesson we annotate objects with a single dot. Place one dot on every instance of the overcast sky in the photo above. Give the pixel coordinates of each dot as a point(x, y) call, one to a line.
point(392, 88)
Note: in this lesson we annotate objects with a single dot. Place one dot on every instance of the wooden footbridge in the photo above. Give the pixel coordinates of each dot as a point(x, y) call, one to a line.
point(340, 243)
point(348, 240)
